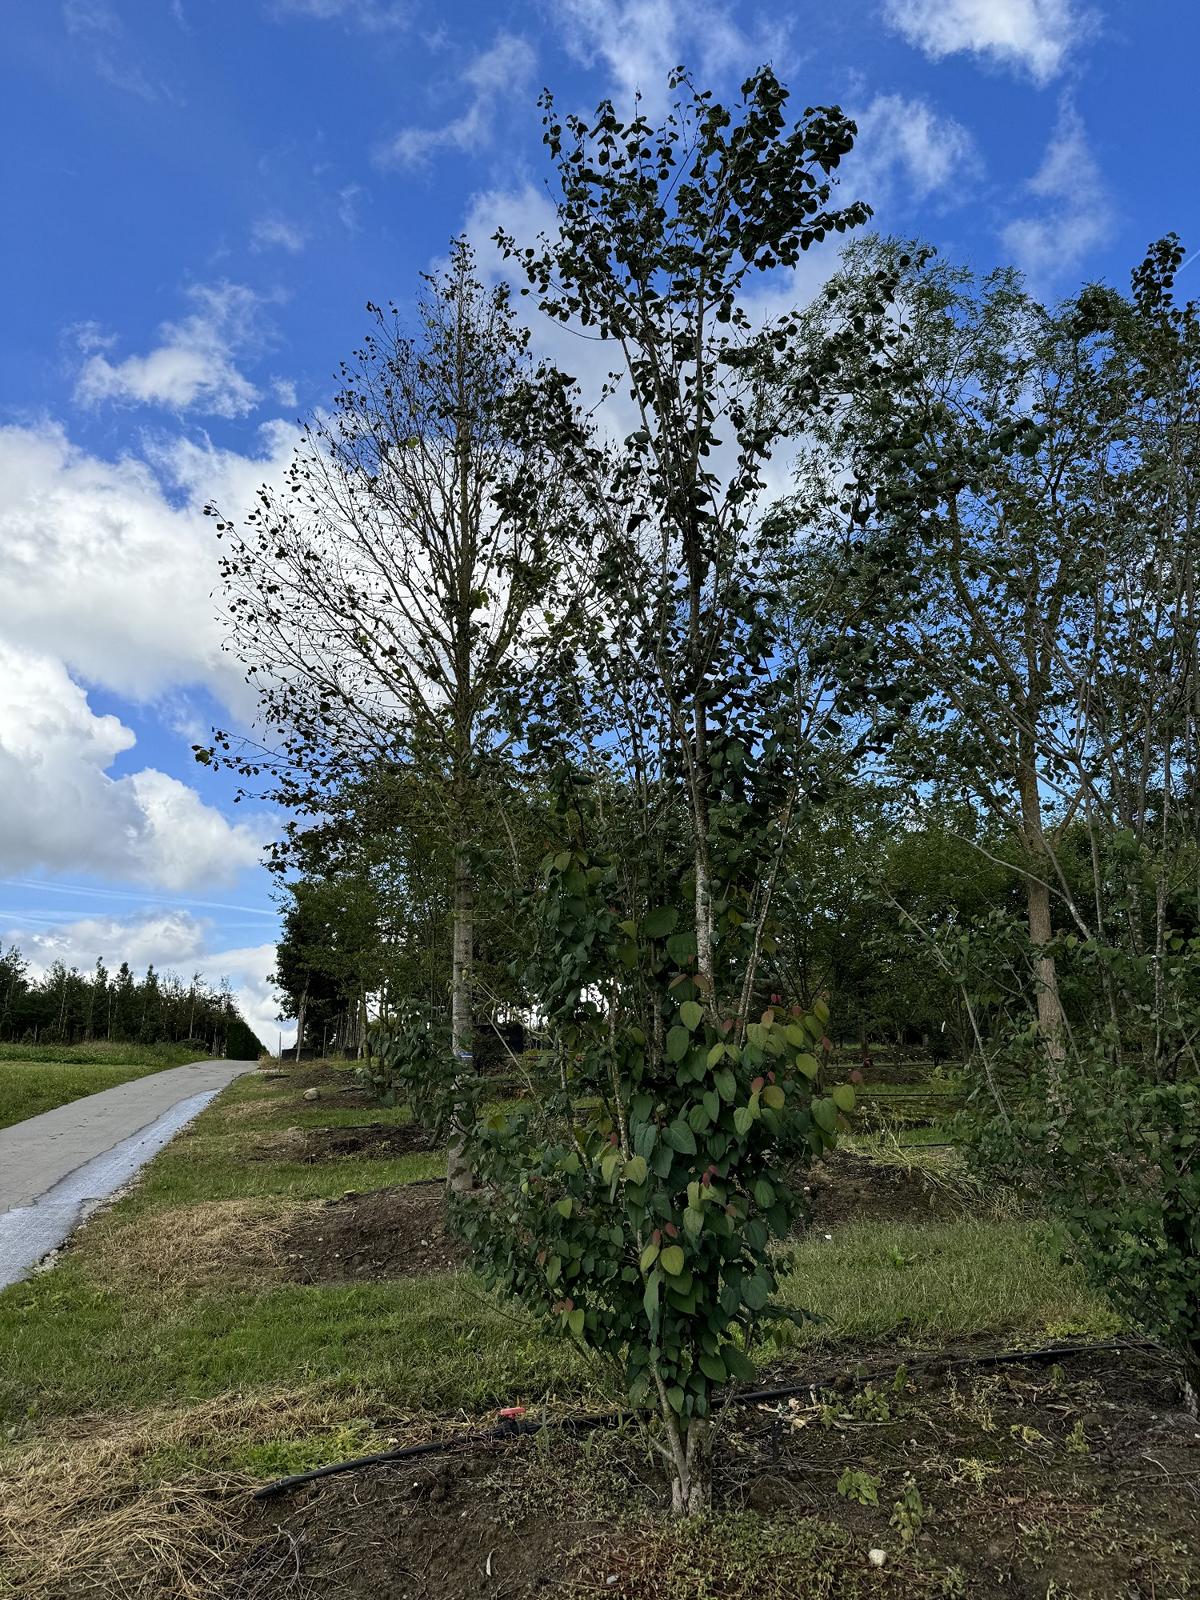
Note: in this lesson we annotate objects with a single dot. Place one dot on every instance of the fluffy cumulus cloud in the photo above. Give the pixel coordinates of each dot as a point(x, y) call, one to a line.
point(63, 811)
point(1072, 213)
point(194, 365)
point(504, 69)
point(1035, 36)
point(640, 41)
point(905, 138)
point(173, 941)
point(110, 565)
point(107, 569)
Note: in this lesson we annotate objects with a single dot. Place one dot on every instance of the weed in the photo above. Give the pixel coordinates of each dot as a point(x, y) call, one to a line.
point(859, 1486)
point(908, 1513)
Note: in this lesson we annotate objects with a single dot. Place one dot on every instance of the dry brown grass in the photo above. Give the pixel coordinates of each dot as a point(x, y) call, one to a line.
point(116, 1508)
point(173, 1251)
point(81, 1514)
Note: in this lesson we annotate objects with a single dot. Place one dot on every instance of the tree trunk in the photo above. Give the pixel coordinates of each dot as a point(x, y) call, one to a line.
point(458, 1170)
point(300, 1021)
point(1041, 927)
point(691, 1462)
point(1191, 1377)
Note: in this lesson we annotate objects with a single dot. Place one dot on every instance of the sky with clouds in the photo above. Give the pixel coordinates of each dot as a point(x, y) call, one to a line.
point(201, 195)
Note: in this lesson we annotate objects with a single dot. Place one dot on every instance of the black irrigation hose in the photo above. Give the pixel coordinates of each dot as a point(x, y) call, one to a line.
point(513, 1427)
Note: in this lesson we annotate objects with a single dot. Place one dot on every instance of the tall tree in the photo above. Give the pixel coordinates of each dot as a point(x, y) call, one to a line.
point(388, 598)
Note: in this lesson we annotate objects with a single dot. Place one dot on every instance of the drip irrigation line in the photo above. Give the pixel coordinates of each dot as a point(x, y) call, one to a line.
point(515, 1427)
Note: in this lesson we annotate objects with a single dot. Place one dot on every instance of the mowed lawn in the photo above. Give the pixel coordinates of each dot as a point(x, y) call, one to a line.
point(33, 1079)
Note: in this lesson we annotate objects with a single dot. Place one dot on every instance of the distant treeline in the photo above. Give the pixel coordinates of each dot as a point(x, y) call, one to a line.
point(66, 1006)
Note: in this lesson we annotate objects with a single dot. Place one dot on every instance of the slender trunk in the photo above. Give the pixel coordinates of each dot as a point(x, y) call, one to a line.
point(1051, 1019)
point(300, 1021)
point(459, 1174)
point(690, 1450)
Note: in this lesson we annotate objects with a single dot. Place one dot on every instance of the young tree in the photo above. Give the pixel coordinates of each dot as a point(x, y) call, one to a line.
point(632, 1200)
point(388, 598)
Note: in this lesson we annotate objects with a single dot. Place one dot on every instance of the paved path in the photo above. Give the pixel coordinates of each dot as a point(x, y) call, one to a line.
point(56, 1167)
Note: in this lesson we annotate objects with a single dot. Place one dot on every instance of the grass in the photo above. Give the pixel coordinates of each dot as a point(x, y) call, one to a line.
point(172, 1297)
point(36, 1078)
point(27, 1088)
point(102, 1052)
point(166, 1363)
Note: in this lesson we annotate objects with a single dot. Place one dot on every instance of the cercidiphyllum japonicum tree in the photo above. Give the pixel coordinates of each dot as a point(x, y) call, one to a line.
point(632, 1197)
point(403, 582)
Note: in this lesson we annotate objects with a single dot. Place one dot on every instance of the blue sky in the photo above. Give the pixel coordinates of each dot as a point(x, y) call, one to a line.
point(199, 197)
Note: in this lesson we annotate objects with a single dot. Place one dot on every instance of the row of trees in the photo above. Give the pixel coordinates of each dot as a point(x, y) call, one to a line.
point(841, 652)
point(64, 1006)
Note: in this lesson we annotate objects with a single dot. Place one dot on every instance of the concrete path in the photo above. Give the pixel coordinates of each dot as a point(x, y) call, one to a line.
point(57, 1167)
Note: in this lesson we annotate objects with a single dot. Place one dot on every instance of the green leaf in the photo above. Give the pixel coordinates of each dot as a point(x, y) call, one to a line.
point(743, 1120)
point(608, 1163)
point(756, 1291)
point(691, 1015)
point(712, 1104)
point(738, 1364)
point(713, 1367)
point(679, 1042)
point(671, 1260)
point(650, 1296)
point(676, 1397)
point(636, 1170)
point(575, 1322)
point(726, 1084)
point(764, 1194)
point(659, 923)
point(808, 1065)
point(825, 1115)
point(680, 1137)
point(843, 1096)
point(564, 1206)
point(773, 1096)
point(717, 1053)
point(796, 1036)
point(693, 1220)
point(648, 1256)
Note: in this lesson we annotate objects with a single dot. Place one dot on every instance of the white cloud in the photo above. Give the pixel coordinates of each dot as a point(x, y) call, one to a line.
point(193, 367)
point(1034, 35)
point(373, 16)
point(64, 812)
point(277, 233)
point(906, 137)
point(173, 941)
point(640, 41)
point(1077, 213)
point(99, 30)
point(103, 569)
point(505, 68)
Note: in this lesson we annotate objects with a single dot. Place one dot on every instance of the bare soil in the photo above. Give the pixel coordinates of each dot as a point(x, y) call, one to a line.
point(844, 1187)
point(364, 1140)
point(389, 1233)
point(1076, 1480)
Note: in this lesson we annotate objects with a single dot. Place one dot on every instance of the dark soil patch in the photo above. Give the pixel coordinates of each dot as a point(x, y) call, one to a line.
point(391, 1233)
point(1079, 1480)
point(373, 1140)
point(844, 1187)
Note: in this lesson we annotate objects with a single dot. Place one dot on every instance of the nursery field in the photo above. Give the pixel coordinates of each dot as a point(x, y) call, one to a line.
point(277, 1293)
